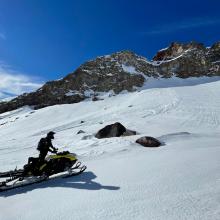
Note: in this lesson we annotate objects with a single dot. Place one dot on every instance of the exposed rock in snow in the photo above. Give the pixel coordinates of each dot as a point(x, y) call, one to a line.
point(80, 132)
point(113, 130)
point(148, 141)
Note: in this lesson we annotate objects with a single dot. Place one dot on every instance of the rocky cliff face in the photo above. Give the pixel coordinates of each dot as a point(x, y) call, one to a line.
point(123, 71)
point(188, 60)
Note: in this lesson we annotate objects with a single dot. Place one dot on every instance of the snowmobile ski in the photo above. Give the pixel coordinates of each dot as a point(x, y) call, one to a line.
point(26, 181)
point(72, 172)
point(17, 183)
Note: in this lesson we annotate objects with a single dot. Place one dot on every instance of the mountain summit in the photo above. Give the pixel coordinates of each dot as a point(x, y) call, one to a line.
point(120, 71)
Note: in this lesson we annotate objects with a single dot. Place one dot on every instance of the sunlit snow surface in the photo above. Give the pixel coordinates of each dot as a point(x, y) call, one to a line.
point(180, 180)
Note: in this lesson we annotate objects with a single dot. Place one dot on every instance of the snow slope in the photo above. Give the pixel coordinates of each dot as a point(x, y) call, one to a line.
point(180, 180)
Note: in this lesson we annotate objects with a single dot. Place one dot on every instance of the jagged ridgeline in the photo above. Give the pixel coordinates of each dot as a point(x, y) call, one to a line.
point(120, 71)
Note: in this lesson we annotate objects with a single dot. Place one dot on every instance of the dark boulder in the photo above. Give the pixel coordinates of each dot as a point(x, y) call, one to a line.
point(113, 130)
point(148, 142)
point(96, 98)
point(81, 132)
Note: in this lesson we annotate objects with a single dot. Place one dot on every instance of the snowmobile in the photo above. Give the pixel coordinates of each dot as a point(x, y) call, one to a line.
point(63, 164)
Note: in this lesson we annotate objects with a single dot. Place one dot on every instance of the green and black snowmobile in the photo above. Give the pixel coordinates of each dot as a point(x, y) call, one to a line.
point(63, 164)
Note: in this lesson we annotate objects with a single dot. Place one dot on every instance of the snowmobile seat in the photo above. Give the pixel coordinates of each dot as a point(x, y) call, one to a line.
point(33, 166)
point(33, 160)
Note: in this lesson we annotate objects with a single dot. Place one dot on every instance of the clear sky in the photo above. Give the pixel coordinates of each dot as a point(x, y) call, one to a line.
point(43, 40)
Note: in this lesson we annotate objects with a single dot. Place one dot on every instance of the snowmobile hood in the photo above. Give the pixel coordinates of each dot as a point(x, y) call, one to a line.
point(68, 156)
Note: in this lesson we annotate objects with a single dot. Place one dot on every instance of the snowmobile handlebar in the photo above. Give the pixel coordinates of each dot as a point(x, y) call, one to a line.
point(55, 151)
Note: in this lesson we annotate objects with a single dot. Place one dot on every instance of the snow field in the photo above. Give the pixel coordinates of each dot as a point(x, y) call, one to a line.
point(179, 180)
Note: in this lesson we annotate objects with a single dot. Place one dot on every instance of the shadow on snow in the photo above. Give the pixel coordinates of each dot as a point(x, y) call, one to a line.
point(84, 181)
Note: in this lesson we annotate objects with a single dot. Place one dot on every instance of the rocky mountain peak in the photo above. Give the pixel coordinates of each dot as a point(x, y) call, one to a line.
point(121, 71)
point(124, 55)
point(176, 49)
point(216, 46)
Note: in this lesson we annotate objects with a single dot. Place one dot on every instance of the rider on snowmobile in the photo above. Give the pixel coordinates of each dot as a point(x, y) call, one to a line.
point(45, 145)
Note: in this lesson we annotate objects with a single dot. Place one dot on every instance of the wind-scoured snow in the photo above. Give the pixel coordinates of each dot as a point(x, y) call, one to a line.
point(179, 180)
point(151, 82)
point(129, 69)
point(72, 92)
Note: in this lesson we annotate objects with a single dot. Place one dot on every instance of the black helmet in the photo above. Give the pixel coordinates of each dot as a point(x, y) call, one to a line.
point(51, 135)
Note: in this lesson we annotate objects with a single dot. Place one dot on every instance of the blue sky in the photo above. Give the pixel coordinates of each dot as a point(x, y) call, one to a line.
point(43, 40)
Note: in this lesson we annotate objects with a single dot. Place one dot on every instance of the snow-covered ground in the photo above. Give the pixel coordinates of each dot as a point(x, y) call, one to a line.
point(180, 180)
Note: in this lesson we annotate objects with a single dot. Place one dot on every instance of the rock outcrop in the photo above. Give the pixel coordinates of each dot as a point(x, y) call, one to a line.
point(188, 60)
